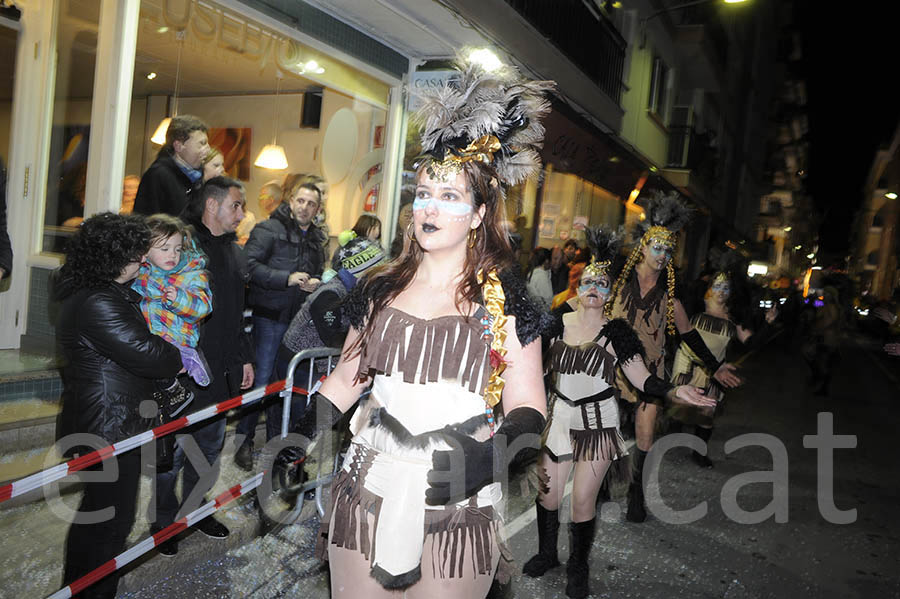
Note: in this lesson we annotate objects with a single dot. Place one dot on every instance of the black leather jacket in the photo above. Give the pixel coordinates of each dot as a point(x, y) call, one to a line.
point(111, 361)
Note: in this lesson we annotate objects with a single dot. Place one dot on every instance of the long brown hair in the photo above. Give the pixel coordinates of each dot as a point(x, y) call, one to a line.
point(491, 250)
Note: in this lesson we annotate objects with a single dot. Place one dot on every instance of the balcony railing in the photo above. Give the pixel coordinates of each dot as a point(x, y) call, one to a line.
point(590, 41)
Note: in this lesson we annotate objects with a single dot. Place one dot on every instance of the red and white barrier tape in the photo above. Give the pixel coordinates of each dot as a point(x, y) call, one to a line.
point(132, 553)
point(39, 479)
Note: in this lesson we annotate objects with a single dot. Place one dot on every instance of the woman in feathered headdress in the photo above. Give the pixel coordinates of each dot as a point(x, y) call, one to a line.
point(725, 317)
point(645, 298)
point(448, 337)
point(583, 431)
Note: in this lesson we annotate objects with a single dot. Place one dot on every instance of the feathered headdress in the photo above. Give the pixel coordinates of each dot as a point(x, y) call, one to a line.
point(488, 116)
point(667, 214)
point(603, 244)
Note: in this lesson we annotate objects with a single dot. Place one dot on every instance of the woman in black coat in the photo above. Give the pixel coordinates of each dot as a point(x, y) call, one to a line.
point(111, 360)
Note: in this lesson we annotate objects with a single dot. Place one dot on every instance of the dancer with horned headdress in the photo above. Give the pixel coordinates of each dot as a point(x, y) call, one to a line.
point(583, 431)
point(644, 295)
point(449, 339)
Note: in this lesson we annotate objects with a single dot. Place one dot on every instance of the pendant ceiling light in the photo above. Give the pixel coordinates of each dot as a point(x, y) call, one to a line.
point(159, 136)
point(272, 156)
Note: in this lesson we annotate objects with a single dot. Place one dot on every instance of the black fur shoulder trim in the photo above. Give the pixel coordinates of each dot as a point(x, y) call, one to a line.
point(356, 306)
point(532, 320)
point(624, 339)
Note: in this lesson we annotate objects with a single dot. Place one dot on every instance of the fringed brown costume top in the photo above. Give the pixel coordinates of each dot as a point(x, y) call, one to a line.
point(689, 369)
point(427, 375)
point(648, 316)
point(584, 422)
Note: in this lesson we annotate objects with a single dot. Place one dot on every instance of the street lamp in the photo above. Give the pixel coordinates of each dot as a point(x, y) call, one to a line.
point(674, 8)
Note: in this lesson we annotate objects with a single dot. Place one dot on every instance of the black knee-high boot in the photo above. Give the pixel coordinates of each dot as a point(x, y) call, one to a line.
point(581, 537)
point(637, 510)
point(548, 532)
point(703, 460)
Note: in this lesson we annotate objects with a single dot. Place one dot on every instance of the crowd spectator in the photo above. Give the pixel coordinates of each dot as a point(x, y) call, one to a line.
point(213, 164)
point(111, 361)
point(368, 226)
point(167, 186)
point(213, 216)
point(286, 257)
point(404, 219)
point(539, 284)
point(560, 265)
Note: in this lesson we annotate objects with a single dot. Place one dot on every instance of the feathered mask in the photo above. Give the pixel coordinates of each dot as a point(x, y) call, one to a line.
point(488, 116)
point(666, 215)
point(603, 244)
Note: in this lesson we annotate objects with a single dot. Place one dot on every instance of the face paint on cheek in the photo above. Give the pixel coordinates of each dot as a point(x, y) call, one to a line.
point(458, 209)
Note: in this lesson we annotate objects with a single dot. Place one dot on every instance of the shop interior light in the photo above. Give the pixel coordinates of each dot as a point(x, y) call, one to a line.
point(891, 195)
point(272, 156)
point(159, 136)
point(755, 268)
point(787, 229)
point(486, 58)
point(311, 66)
point(151, 75)
point(810, 256)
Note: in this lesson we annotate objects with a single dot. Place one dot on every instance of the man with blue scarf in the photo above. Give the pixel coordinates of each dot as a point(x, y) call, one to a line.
point(177, 172)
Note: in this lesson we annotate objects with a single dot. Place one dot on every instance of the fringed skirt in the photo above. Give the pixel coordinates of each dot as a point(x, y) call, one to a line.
point(378, 508)
point(585, 432)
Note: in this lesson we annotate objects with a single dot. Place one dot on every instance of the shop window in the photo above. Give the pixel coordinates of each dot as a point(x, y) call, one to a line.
point(659, 89)
point(229, 72)
point(70, 133)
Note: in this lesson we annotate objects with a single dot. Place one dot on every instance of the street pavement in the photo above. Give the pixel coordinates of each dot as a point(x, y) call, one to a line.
point(802, 555)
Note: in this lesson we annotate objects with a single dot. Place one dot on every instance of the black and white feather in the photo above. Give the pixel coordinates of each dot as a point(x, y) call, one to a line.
point(666, 210)
point(477, 102)
point(604, 243)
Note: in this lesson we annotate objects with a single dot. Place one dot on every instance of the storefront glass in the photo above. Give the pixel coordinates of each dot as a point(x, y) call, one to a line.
point(329, 118)
point(76, 49)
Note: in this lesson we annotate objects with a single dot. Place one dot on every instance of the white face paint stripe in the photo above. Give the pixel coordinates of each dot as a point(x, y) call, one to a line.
point(455, 208)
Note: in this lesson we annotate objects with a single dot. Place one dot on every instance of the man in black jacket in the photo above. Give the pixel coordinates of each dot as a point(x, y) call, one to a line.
point(214, 215)
point(177, 172)
point(286, 257)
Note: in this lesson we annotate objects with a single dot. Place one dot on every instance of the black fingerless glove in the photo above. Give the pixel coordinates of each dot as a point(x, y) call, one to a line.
point(694, 341)
point(320, 415)
point(658, 387)
point(460, 472)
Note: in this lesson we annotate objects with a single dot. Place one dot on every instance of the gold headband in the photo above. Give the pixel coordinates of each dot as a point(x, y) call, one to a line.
point(597, 269)
point(660, 235)
point(481, 150)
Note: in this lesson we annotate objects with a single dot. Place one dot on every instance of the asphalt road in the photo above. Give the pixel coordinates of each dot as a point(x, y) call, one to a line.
point(803, 554)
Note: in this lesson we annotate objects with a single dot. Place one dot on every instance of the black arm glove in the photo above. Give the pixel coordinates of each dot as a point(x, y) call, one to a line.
point(694, 341)
point(459, 473)
point(658, 387)
point(320, 415)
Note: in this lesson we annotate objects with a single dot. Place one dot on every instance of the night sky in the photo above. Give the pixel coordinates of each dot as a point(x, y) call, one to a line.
point(850, 58)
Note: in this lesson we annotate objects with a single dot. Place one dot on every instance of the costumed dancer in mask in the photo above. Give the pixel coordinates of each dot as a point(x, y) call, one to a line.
point(583, 432)
point(726, 316)
point(449, 340)
point(644, 295)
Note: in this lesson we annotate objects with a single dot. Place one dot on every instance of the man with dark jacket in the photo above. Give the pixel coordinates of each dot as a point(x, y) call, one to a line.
point(177, 172)
point(286, 257)
point(213, 215)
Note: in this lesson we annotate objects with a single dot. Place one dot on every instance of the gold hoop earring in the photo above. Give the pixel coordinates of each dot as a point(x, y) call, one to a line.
point(410, 233)
point(473, 237)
